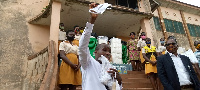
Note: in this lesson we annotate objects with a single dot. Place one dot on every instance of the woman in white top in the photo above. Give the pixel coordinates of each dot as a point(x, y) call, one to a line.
point(92, 68)
point(140, 45)
point(69, 74)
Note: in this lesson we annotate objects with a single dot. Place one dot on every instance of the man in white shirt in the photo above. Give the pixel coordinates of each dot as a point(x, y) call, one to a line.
point(92, 68)
point(175, 71)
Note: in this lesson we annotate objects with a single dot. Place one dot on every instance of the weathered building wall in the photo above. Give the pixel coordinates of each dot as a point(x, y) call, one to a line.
point(96, 1)
point(38, 36)
point(174, 15)
point(181, 39)
point(196, 39)
point(155, 13)
point(171, 14)
point(192, 19)
point(154, 38)
point(14, 42)
point(35, 71)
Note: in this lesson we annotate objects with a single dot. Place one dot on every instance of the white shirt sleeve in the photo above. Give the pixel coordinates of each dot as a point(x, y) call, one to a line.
point(84, 52)
point(143, 50)
point(139, 43)
point(157, 50)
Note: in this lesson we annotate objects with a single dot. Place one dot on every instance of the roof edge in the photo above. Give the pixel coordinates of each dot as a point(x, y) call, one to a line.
point(46, 13)
point(43, 14)
point(121, 8)
point(190, 5)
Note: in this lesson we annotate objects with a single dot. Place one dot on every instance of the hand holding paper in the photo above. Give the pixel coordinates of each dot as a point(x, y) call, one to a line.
point(100, 8)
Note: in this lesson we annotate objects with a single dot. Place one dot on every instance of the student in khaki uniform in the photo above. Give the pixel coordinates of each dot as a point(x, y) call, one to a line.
point(149, 53)
point(70, 74)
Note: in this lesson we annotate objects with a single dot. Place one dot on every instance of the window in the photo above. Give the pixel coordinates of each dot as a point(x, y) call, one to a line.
point(169, 25)
point(194, 30)
point(128, 3)
point(157, 23)
point(198, 31)
point(174, 26)
point(182, 31)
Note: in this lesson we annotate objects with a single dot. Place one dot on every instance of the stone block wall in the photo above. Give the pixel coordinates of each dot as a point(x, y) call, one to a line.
point(181, 39)
point(159, 36)
point(35, 71)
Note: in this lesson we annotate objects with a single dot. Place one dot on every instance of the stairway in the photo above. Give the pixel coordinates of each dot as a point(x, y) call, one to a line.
point(134, 80)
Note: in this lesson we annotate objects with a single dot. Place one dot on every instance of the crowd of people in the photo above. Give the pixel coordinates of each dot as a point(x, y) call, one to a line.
point(163, 65)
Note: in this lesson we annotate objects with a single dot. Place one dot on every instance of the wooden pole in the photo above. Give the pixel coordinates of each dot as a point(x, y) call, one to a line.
point(162, 23)
point(187, 31)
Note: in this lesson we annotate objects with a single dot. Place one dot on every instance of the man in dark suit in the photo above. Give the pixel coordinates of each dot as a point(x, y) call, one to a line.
point(175, 71)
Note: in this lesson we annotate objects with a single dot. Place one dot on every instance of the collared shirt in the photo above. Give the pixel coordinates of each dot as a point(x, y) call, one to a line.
point(141, 43)
point(183, 75)
point(90, 68)
point(68, 48)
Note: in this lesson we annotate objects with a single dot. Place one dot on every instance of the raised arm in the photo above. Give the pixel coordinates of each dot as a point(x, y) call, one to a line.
point(84, 53)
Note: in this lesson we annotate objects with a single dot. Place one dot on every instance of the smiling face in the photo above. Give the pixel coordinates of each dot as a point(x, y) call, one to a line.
point(103, 49)
point(171, 46)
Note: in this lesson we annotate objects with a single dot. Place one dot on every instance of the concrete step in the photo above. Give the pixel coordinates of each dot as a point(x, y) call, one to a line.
point(139, 80)
point(137, 89)
point(136, 72)
point(128, 88)
point(124, 76)
point(134, 80)
point(137, 85)
point(132, 85)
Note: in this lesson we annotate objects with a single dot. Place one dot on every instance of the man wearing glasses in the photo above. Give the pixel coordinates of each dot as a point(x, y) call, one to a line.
point(175, 71)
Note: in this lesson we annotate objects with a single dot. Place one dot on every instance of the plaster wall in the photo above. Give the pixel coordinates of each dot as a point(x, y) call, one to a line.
point(196, 39)
point(15, 46)
point(123, 38)
point(55, 20)
point(192, 19)
point(159, 36)
point(155, 13)
point(38, 36)
point(147, 28)
point(181, 39)
point(171, 14)
point(96, 1)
